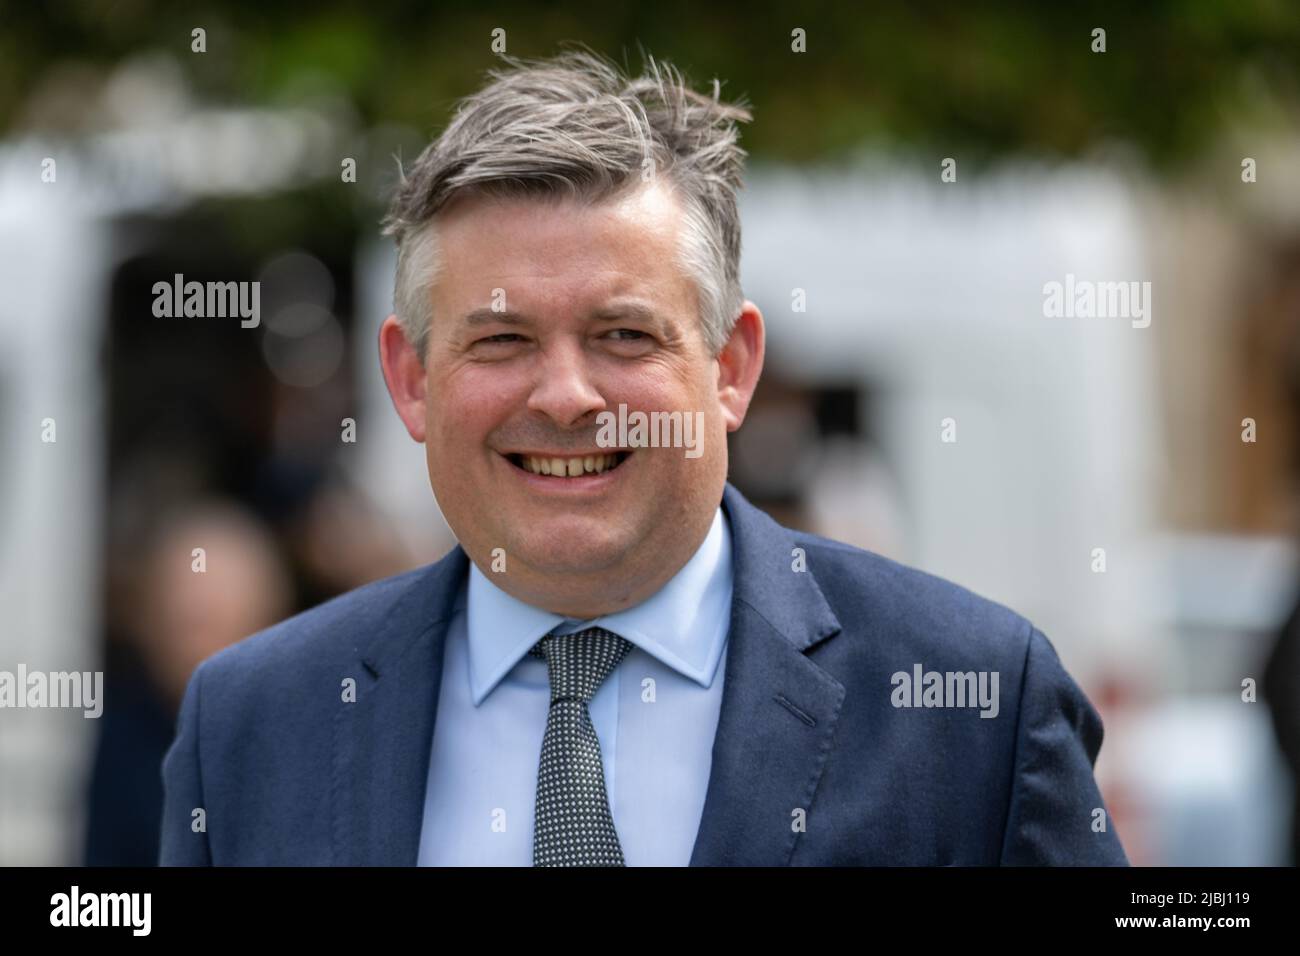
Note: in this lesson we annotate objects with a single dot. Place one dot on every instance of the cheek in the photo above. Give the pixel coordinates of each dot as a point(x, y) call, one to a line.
point(466, 404)
point(656, 386)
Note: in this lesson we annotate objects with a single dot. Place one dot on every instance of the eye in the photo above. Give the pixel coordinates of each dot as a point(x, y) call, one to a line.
point(634, 334)
point(502, 337)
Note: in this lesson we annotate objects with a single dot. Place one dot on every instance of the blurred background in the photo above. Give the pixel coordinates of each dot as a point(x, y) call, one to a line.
point(896, 298)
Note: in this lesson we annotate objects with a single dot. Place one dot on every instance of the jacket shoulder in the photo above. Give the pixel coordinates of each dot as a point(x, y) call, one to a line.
point(345, 628)
point(920, 613)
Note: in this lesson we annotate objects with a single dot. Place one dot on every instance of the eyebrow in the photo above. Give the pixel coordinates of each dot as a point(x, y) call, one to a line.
point(625, 310)
point(488, 316)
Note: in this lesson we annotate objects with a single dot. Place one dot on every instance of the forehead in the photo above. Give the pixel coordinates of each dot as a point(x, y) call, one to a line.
point(628, 242)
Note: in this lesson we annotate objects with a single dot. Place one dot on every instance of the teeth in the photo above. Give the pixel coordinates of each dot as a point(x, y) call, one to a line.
point(569, 467)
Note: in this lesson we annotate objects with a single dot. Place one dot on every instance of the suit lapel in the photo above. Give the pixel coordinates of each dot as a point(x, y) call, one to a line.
point(779, 708)
point(382, 741)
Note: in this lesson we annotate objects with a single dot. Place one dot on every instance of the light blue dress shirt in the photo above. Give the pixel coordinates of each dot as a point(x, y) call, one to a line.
point(655, 716)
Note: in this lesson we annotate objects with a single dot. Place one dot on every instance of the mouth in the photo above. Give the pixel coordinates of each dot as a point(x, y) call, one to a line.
point(568, 467)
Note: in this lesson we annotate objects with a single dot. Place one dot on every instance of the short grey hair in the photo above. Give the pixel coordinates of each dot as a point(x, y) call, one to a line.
point(575, 126)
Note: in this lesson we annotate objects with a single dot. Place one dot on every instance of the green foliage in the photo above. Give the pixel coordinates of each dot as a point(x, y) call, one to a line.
point(978, 79)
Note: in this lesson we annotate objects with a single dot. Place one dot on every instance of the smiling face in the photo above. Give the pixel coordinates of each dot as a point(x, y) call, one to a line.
point(548, 312)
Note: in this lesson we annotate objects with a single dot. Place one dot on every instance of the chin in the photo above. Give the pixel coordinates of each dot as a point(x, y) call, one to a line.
point(571, 547)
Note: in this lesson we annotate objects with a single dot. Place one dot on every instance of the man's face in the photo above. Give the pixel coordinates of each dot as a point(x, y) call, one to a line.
point(546, 313)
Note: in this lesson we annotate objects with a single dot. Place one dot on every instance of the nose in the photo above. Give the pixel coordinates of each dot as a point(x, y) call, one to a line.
point(564, 391)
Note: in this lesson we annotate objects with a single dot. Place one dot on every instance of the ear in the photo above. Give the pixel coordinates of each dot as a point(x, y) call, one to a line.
point(739, 364)
point(405, 376)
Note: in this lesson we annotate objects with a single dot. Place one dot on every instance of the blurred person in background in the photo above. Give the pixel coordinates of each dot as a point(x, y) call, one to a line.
point(181, 609)
point(1280, 687)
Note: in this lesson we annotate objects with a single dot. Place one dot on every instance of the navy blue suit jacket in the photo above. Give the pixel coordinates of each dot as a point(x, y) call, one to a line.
point(813, 762)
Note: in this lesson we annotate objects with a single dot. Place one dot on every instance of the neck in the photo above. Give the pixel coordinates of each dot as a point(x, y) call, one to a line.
point(585, 596)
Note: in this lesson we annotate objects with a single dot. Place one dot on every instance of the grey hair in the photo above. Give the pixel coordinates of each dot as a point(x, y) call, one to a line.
point(575, 126)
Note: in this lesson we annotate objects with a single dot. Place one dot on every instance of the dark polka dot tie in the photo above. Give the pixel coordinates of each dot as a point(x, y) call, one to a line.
point(573, 825)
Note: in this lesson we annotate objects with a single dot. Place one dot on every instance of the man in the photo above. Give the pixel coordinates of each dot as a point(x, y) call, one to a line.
point(623, 661)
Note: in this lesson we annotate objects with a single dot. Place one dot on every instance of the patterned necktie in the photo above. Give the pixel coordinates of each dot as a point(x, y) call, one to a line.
point(573, 825)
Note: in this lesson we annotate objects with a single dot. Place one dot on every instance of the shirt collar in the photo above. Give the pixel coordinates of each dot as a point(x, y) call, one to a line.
point(683, 625)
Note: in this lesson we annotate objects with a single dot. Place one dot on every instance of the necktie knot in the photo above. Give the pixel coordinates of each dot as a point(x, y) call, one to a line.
point(578, 663)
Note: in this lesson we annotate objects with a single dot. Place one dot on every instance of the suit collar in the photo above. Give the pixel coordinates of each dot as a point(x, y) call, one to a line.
point(775, 728)
point(683, 625)
point(779, 708)
point(766, 558)
point(382, 739)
